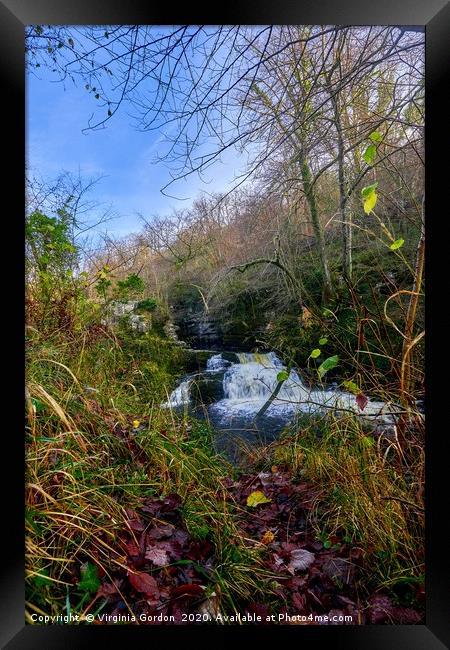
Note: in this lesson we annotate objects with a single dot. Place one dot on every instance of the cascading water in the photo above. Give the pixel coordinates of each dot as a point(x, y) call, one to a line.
point(179, 396)
point(216, 362)
point(248, 385)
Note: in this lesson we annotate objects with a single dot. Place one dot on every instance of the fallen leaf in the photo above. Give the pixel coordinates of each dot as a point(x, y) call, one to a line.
point(306, 317)
point(299, 601)
point(300, 560)
point(406, 616)
point(145, 584)
point(380, 609)
point(268, 537)
point(278, 562)
point(256, 498)
point(158, 556)
point(171, 502)
point(135, 521)
point(160, 532)
point(190, 589)
point(339, 570)
point(132, 548)
point(106, 589)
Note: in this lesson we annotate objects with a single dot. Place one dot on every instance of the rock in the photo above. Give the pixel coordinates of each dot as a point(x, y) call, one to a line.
point(230, 356)
point(196, 359)
point(207, 389)
point(117, 311)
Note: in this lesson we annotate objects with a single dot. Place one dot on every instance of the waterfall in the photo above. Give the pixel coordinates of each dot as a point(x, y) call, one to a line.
point(216, 362)
point(179, 396)
point(248, 385)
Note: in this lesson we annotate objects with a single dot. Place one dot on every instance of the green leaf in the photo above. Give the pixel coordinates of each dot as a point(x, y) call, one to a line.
point(375, 136)
point(327, 544)
point(255, 498)
point(370, 203)
point(323, 341)
point(315, 353)
point(89, 578)
point(398, 243)
point(370, 153)
point(352, 387)
point(370, 197)
point(327, 365)
point(282, 375)
point(367, 191)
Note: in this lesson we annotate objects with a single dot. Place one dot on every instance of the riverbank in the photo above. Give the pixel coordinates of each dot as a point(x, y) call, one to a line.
point(129, 508)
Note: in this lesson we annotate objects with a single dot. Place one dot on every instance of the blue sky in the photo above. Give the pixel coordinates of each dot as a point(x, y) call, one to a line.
point(56, 115)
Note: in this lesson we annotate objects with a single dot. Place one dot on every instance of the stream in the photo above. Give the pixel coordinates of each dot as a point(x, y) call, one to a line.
point(233, 388)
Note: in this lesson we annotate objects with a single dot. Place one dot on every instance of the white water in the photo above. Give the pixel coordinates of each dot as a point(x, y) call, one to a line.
point(216, 362)
point(249, 384)
point(180, 395)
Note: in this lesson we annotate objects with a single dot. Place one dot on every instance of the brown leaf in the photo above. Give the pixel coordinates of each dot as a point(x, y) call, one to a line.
point(158, 556)
point(361, 400)
point(299, 601)
point(189, 589)
point(132, 548)
point(300, 560)
point(145, 584)
point(268, 537)
point(106, 589)
point(135, 521)
point(406, 616)
point(160, 532)
point(171, 502)
point(380, 609)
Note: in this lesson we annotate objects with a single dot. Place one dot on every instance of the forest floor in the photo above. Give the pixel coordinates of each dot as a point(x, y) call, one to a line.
point(168, 573)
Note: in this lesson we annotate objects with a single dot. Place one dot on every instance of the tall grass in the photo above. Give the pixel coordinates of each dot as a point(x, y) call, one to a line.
point(362, 496)
point(84, 468)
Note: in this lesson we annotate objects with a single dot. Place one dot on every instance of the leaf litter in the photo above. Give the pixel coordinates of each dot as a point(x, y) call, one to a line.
point(172, 573)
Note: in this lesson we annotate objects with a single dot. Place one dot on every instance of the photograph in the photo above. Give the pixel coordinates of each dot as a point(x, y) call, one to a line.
point(225, 325)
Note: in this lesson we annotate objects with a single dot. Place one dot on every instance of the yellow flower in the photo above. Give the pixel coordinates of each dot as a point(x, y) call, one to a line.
point(136, 423)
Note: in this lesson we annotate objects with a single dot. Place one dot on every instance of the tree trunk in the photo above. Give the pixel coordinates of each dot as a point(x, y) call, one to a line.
point(317, 228)
point(343, 201)
point(343, 195)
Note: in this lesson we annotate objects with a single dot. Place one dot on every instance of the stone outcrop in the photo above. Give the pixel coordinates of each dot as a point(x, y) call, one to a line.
point(120, 311)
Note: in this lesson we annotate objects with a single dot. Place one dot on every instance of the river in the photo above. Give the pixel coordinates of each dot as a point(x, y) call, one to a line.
point(233, 389)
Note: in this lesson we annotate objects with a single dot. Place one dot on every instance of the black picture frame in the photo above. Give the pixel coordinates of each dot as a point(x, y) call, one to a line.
point(434, 17)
